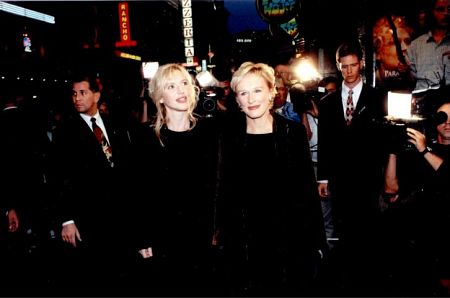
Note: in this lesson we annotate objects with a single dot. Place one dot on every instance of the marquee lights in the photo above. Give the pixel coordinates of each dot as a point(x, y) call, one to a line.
point(28, 13)
point(128, 56)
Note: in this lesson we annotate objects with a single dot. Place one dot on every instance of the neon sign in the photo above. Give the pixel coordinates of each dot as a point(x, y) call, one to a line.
point(278, 11)
point(124, 27)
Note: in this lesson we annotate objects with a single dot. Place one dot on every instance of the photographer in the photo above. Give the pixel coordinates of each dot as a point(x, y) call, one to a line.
point(282, 105)
point(418, 207)
point(306, 104)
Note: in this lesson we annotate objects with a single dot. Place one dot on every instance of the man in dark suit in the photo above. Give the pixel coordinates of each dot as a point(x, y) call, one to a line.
point(14, 154)
point(350, 158)
point(93, 172)
point(21, 212)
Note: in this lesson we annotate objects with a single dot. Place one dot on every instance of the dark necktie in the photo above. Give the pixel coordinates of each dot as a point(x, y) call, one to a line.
point(102, 141)
point(350, 108)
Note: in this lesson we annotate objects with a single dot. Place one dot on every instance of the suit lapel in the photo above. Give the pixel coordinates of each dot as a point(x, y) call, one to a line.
point(340, 106)
point(362, 102)
point(110, 131)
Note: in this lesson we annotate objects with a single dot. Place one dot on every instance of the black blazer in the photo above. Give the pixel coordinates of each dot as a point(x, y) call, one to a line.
point(179, 223)
point(87, 184)
point(21, 162)
point(266, 198)
point(352, 155)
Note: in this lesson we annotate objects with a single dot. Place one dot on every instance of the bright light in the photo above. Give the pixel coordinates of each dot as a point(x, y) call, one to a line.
point(149, 69)
point(305, 71)
point(399, 105)
point(28, 13)
point(206, 79)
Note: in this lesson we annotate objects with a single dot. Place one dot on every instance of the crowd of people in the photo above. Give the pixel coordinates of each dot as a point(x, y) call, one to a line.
point(277, 194)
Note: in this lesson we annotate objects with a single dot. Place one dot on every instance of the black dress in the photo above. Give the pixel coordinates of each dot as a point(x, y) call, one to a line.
point(271, 216)
point(177, 209)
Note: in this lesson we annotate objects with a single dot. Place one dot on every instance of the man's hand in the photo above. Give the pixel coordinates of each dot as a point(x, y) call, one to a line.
point(70, 234)
point(323, 190)
point(13, 221)
point(417, 138)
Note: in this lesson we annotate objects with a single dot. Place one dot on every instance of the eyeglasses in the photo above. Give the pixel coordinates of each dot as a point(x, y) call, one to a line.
point(442, 8)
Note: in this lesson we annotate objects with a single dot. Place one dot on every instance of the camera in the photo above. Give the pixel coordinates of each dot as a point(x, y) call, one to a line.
point(396, 130)
point(207, 101)
point(302, 97)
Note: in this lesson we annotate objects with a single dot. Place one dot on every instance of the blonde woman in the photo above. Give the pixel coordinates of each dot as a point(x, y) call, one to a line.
point(179, 154)
point(272, 221)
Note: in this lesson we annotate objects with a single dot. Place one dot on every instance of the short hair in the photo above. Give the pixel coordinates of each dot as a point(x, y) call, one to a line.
point(261, 69)
point(89, 77)
point(349, 48)
point(437, 99)
point(327, 80)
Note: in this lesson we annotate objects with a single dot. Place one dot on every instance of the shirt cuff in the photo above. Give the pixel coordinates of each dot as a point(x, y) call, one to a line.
point(68, 222)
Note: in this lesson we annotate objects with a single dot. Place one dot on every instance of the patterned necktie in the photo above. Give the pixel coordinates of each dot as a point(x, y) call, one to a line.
point(102, 141)
point(350, 108)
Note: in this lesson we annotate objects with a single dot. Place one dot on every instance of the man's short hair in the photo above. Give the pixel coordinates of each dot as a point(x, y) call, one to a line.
point(349, 48)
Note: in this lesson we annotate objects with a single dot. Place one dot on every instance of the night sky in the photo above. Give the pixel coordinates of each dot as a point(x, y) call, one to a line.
point(243, 16)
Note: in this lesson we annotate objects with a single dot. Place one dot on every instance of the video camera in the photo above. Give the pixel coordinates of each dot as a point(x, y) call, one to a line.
point(424, 119)
point(303, 97)
point(207, 101)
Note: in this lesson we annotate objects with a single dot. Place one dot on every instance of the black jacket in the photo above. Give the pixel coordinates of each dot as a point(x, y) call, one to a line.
point(92, 193)
point(270, 212)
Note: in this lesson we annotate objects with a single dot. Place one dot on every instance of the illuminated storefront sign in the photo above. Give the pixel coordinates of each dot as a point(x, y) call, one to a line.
point(124, 27)
point(278, 11)
point(188, 32)
point(28, 13)
point(128, 56)
point(26, 42)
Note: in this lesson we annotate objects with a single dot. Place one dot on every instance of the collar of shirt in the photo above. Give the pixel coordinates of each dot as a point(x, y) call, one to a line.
point(356, 93)
point(87, 119)
point(98, 121)
point(430, 37)
point(288, 98)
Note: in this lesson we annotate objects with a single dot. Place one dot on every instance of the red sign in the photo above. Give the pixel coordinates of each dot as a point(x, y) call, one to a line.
point(124, 27)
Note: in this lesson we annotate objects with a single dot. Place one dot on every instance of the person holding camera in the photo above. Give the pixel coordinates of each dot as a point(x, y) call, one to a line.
point(310, 119)
point(416, 188)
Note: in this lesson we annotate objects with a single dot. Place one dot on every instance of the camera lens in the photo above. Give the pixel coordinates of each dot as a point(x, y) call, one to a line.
point(209, 104)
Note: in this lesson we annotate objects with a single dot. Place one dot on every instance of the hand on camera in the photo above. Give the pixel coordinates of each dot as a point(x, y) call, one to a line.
point(416, 138)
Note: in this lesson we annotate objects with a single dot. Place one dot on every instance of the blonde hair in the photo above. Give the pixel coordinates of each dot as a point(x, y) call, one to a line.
point(382, 31)
point(156, 89)
point(260, 69)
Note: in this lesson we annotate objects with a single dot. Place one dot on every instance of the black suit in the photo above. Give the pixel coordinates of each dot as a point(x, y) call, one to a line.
point(89, 189)
point(19, 156)
point(351, 158)
point(20, 185)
